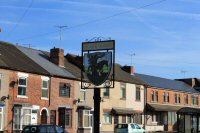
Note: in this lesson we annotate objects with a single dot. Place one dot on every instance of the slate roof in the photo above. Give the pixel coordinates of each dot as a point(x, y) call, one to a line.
point(164, 83)
point(42, 58)
point(120, 75)
point(13, 59)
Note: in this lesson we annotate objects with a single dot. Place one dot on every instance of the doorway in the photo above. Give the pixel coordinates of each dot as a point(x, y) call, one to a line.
point(44, 117)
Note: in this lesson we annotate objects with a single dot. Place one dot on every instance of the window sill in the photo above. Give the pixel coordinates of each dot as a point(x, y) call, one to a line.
point(87, 128)
point(106, 97)
point(166, 102)
point(154, 101)
point(107, 123)
point(138, 100)
point(44, 98)
point(122, 98)
point(21, 96)
point(194, 105)
point(65, 96)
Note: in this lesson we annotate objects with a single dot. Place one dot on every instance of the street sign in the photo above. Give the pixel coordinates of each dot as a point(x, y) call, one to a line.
point(98, 64)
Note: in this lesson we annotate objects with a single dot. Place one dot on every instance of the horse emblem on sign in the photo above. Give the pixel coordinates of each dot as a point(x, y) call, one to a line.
point(97, 66)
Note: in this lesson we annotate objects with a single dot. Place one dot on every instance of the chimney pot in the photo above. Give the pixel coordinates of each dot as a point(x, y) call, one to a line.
point(57, 56)
point(129, 69)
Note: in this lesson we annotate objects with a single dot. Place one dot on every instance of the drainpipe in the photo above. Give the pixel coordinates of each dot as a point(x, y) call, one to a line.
point(145, 105)
point(50, 91)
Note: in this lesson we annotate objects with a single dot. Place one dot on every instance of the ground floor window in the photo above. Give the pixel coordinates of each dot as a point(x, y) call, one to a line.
point(116, 119)
point(128, 118)
point(172, 118)
point(123, 118)
point(107, 118)
point(22, 117)
point(1, 118)
point(53, 117)
point(137, 118)
point(65, 117)
point(85, 118)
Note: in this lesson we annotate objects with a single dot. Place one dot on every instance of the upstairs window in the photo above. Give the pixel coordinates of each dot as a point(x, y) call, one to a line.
point(22, 86)
point(106, 92)
point(156, 96)
point(65, 90)
point(186, 99)
point(195, 100)
point(152, 96)
point(82, 95)
point(166, 97)
point(137, 94)
point(123, 90)
point(177, 98)
point(45, 89)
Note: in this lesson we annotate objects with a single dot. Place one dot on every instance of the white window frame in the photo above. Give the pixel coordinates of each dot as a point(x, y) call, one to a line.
point(123, 88)
point(23, 96)
point(21, 117)
point(83, 90)
point(23, 75)
point(1, 126)
point(45, 80)
point(136, 90)
point(90, 118)
point(109, 116)
point(22, 112)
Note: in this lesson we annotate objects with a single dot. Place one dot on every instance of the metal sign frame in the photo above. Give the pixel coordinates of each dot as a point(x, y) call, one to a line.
point(98, 47)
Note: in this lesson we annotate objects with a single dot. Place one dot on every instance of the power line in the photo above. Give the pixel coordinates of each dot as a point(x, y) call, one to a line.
point(20, 19)
point(95, 20)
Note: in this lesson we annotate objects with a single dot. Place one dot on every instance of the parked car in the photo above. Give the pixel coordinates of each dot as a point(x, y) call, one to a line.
point(43, 129)
point(128, 128)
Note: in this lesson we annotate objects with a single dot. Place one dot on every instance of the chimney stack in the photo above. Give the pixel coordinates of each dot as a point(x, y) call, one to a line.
point(129, 69)
point(193, 82)
point(57, 56)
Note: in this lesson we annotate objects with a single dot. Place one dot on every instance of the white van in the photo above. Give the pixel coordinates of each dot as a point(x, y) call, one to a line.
point(128, 128)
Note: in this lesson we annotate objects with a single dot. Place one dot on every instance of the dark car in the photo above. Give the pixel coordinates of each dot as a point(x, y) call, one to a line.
point(43, 129)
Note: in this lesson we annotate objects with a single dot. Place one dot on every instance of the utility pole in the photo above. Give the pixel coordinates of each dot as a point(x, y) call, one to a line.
point(60, 29)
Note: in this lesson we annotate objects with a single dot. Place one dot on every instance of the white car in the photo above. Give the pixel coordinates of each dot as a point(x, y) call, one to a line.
point(128, 128)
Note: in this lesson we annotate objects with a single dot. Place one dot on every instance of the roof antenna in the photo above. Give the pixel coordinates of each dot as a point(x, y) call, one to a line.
point(132, 54)
point(60, 29)
point(183, 72)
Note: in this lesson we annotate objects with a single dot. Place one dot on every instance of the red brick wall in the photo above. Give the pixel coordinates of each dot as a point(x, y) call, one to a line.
point(172, 100)
point(171, 94)
point(34, 93)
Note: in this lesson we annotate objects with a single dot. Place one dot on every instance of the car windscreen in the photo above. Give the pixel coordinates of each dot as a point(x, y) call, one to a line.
point(47, 129)
point(30, 129)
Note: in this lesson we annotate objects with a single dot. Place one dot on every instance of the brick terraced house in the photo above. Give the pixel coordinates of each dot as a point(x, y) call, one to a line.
point(165, 97)
point(36, 88)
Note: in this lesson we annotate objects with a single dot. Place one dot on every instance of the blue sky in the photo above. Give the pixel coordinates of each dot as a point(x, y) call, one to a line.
point(164, 37)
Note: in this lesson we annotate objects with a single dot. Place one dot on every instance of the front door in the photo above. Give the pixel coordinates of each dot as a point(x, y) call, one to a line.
point(44, 117)
point(34, 117)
